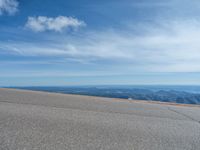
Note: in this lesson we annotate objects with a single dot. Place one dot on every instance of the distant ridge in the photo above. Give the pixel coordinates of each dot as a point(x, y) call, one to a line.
point(155, 93)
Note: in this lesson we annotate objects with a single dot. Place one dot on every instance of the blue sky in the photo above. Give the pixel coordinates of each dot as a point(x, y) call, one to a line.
point(82, 42)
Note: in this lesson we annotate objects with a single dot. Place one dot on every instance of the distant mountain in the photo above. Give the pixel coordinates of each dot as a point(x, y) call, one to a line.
point(160, 94)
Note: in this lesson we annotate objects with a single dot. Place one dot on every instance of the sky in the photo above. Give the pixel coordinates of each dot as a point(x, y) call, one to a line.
point(90, 42)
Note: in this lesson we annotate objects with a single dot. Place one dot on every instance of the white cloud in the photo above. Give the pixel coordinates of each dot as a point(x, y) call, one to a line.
point(58, 24)
point(173, 47)
point(8, 6)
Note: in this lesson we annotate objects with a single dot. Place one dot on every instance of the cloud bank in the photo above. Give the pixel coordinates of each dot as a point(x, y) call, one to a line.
point(58, 24)
point(8, 6)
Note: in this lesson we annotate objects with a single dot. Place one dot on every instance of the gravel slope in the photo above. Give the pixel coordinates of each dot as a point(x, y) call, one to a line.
point(46, 121)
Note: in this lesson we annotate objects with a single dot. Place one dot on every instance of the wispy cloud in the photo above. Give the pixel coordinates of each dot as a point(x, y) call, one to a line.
point(58, 24)
point(8, 6)
point(169, 47)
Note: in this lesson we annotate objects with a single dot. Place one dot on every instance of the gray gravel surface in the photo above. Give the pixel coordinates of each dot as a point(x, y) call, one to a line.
point(46, 121)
